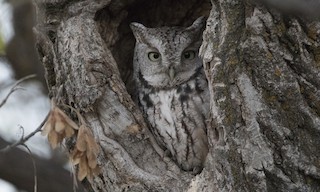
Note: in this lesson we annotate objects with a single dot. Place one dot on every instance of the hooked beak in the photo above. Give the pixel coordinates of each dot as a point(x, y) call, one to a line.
point(171, 73)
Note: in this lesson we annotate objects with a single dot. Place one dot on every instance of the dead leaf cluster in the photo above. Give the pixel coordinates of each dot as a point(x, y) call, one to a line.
point(85, 154)
point(59, 126)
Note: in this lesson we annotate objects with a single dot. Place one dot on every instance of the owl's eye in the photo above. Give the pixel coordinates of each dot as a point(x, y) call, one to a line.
point(154, 56)
point(189, 55)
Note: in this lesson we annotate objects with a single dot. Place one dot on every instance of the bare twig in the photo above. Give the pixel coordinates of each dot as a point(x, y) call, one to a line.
point(23, 139)
point(15, 87)
point(35, 189)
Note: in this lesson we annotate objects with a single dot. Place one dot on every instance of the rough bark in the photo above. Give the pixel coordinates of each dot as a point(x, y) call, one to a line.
point(263, 73)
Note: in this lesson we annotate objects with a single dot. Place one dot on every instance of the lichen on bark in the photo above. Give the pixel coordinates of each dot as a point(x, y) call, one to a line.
point(263, 72)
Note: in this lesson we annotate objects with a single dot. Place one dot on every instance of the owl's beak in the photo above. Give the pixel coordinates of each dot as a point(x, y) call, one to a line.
point(171, 73)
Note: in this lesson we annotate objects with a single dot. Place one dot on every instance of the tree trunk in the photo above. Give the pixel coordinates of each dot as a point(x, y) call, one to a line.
point(263, 72)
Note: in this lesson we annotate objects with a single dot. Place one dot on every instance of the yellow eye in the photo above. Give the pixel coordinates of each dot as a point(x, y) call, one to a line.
point(189, 55)
point(154, 56)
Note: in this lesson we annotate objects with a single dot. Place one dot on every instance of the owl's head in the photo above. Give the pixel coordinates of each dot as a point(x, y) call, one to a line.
point(168, 56)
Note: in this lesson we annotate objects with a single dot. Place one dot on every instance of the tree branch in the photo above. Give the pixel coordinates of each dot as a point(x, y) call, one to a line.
point(16, 167)
point(15, 87)
point(23, 139)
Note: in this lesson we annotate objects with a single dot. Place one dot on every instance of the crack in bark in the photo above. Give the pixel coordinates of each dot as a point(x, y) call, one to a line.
point(247, 49)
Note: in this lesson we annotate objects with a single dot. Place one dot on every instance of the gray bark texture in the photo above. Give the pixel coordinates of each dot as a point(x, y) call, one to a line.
point(263, 70)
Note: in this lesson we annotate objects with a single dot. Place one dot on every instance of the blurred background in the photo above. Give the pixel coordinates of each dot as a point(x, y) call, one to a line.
point(26, 108)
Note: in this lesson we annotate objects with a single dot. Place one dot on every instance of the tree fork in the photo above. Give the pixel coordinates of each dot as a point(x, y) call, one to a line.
point(263, 72)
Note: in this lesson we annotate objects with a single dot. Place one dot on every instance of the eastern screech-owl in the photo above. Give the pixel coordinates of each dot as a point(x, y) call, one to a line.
point(172, 90)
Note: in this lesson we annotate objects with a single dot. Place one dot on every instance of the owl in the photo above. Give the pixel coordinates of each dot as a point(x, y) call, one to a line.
point(172, 90)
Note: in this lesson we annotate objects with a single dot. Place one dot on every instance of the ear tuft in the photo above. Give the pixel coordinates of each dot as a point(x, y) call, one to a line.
point(197, 25)
point(138, 30)
point(200, 22)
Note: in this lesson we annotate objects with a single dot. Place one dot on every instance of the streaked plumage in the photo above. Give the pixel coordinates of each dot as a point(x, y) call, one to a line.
point(173, 91)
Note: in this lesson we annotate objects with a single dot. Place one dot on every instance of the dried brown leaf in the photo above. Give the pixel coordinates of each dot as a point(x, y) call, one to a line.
point(54, 139)
point(76, 155)
point(92, 159)
point(76, 161)
point(47, 127)
point(86, 153)
point(59, 127)
point(92, 152)
point(81, 139)
point(83, 168)
point(67, 120)
point(91, 143)
point(69, 132)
